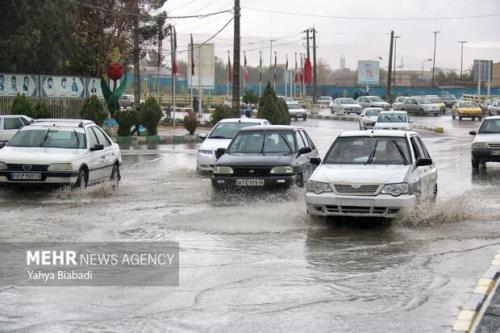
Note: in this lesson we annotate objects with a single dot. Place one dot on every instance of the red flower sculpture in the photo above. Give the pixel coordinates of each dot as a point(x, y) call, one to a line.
point(115, 71)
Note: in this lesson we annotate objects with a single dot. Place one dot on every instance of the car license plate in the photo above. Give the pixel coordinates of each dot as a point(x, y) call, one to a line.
point(495, 152)
point(356, 202)
point(26, 176)
point(250, 182)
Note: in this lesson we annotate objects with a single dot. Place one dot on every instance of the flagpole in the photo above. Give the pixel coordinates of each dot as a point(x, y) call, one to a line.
point(227, 75)
point(200, 92)
point(294, 73)
point(260, 73)
point(274, 73)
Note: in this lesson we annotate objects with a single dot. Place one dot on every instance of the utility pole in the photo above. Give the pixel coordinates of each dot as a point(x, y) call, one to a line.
point(315, 69)
point(173, 56)
point(462, 42)
point(394, 82)
point(434, 59)
point(236, 58)
point(389, 70)
point(271, 55)
point(307, 57)
point(137, 56)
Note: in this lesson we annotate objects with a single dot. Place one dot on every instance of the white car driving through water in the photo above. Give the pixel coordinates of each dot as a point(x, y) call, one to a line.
point(60, 151)
point(372, 173)
point(219, 137)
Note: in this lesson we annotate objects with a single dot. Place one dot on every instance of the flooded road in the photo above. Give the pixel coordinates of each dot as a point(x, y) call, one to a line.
point(260, 264)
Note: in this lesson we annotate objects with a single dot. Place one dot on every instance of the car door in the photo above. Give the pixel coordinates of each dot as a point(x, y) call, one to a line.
point(96, 162)
point(107, 154)
point(430, 171)
point(302, 159)
point(313, 154)
point(421, 173)
point(10, 126)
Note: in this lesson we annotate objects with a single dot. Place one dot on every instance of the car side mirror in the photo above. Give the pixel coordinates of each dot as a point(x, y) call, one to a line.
point(305, 150)
point(315, 160)
point(219, 152)
point(202, 136)
point(424, 162)
point(473, 133)
point(97, 147)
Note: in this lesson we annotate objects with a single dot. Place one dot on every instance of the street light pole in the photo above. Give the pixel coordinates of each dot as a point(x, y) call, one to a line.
point(462, 42)
point(434, 59)
point(423, 62)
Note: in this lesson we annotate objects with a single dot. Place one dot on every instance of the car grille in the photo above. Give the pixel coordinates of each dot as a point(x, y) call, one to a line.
point(361, 190)
point(360, 210)
point(251, 171)
point(27, 167)
point(494, 145)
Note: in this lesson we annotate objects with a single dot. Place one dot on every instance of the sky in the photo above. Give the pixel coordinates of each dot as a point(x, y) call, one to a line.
point(354, 29)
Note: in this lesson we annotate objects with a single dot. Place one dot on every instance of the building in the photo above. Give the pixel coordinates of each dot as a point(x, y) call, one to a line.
point(495, 77)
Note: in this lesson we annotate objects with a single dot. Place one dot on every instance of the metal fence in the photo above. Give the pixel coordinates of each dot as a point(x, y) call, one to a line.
point(58, 107)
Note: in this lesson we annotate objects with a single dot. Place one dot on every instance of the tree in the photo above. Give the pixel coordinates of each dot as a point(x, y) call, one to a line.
point(93, 109)
point(22, 105)
point(150, 115)
point(270, 107)
point(250, 97)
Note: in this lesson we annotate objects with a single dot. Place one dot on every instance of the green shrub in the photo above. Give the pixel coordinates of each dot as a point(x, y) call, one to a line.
point(284, 113)
point(22, 105)
point(250, 97)
point(41, 111)
point(221, 112)
point(271, 108)
point(190, 122)
point(93, 109)
point(126, 119)
point(150, 115)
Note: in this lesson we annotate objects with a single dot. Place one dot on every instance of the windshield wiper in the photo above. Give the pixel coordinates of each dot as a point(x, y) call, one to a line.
point(372, 155)
point(286, 142)
point(45, 138)
point(405, 161)
point(77, 140)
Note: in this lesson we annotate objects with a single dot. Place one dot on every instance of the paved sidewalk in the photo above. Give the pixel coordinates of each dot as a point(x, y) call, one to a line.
point(490, 321)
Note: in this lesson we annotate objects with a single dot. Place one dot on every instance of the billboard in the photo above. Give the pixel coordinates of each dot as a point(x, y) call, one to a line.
point(62, 86)
point(368, 72)
point(204, 66)
point(483, 70)
point(13, 84)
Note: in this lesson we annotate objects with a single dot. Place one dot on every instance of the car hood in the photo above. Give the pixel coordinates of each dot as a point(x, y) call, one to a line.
point(490, 138)
point(214, 144)
point(255, 160)
point(38, 155)
point(371, 118)
point(351, 106)
point(361, 174)
point(475, 109)
point(379, 103)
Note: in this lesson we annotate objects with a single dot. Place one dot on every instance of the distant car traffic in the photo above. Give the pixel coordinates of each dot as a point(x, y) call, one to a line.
point(448, 100)
point(420, 106)
point(486, 143)
point(127, 101)
point(466, 109)
point(11, 124)
point(494, 107)
point(398, 102)
point(375, 174)
point(324, 101)
point(266, 156)
point(60, 151)
point(436, 100)
point(393, 120)
point(219, 137)
point(296, 111)
point(372, 102)
point(344, 105)
point(369, 117)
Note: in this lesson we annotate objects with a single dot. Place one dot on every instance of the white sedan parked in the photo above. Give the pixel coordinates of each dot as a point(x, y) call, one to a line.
point(10, 125)
point(372, 173)
point(393, 120)
point(60, 151)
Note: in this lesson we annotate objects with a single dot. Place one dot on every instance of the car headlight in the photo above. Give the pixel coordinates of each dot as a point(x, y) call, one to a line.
point(395, 189)
point(3, 166)
point(60, 167)
point(318, 187)
point(205, 152)
point(280, 170)
point(223, 170)
point(480, 145)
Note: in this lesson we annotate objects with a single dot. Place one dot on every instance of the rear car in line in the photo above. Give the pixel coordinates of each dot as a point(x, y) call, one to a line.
point(11, 124)
point(486, 143)
point(466, 109)
point(372, 174)
point(60, 151)
point(296, 111)
point(393, 120)
point(369, 117)
point(345, 105)
point(398, 102)
point(266, 157)
point(436, 100)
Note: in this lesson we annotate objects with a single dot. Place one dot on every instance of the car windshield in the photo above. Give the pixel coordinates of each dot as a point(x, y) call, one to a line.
point(347, 101)
point(393, 117)
point(49, 138)
point(401, 99)
point(372, 112)
point(423, 101)
point(228, 130)
point(324, 98)
point(294, 106)
point(490, 126)
point(263, 142)
point(369, 150)
point(375, 99)
point(467, 105)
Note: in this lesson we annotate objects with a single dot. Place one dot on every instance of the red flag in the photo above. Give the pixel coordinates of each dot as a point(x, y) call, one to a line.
point(296, 78)
point(229, 71)
point(192, 56)
point(245, 74)
point(308, 71)
point(260, 66)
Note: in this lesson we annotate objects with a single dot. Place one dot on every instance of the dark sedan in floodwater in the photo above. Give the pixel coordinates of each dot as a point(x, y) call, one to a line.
point(266, 156)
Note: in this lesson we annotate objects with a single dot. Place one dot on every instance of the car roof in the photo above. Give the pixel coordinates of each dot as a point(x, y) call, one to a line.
point(371, 133)
point(242, 120)
point(62, 122)
point(271, 127)
point(393, 112)
point(492, 118)
point(14, 116)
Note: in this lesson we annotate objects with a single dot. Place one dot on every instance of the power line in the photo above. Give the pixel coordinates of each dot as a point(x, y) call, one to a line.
point(368, 18)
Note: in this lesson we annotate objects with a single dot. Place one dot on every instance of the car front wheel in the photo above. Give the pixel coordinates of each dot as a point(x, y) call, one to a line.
point(115, 176)
point(475, 163)
point(82, 180)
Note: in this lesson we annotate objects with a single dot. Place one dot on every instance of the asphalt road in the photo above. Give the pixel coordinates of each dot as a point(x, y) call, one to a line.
point(259, 263)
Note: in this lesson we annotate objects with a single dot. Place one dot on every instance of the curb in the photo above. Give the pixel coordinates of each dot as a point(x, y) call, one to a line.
point(161, 139)
point(469, 312)
point(351, 118)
